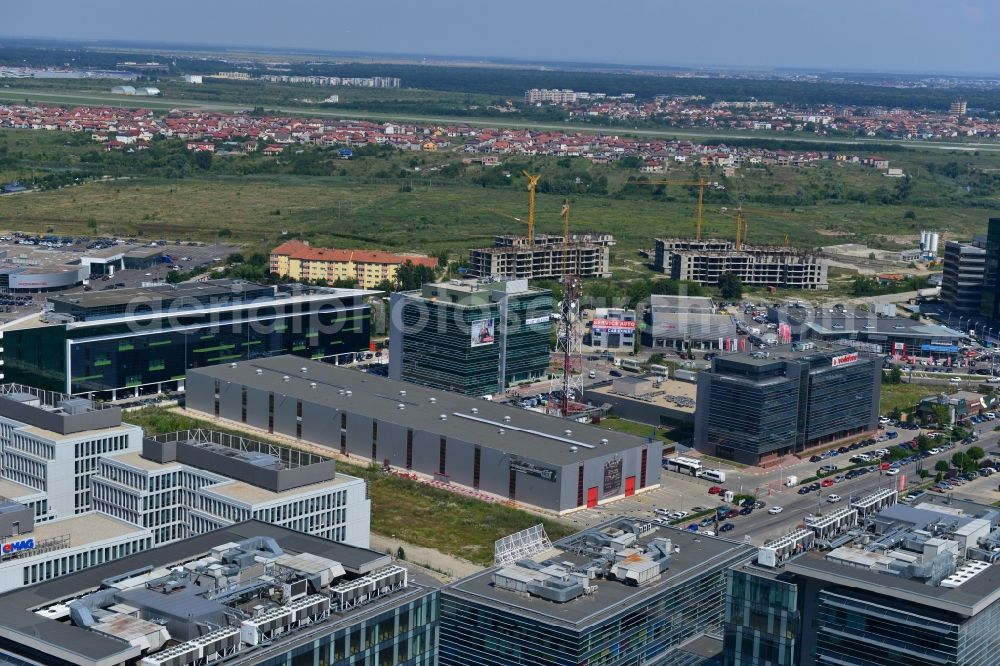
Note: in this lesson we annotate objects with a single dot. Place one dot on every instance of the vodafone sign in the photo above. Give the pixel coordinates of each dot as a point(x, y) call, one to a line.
point(844, 359)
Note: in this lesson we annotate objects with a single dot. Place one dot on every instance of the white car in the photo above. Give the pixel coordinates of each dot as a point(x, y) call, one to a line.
point(707, 532)
point(678, 514)
point(662, 512)
point(775, 510)
point(832, 499)
point(892, 471)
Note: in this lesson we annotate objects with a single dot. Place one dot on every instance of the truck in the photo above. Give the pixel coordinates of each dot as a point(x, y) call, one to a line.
point(791, 480)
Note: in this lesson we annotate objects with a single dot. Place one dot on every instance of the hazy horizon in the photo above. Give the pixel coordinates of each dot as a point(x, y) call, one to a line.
point(880, 36)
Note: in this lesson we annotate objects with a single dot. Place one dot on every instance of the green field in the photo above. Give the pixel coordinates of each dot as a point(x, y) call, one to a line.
point(904, 397)
point(409, 510)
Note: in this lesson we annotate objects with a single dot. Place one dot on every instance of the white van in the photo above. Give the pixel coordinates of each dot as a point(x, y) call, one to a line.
point(990, 415)
point(716, 475)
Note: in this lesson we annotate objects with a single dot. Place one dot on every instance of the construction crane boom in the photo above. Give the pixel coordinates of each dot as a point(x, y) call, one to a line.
point(532, 184)
point(701, 196)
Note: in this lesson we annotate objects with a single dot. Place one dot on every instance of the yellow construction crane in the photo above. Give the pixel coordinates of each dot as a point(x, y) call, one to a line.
point(743, 224)
point(701, 195)
point(532, 184)
point(564, 214)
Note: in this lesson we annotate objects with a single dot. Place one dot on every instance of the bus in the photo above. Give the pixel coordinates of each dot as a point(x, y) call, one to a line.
point(631, 365)
point(660, 370)
point(683, 465)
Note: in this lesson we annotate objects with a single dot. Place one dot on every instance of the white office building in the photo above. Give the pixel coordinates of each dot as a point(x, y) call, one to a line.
point(191, 482)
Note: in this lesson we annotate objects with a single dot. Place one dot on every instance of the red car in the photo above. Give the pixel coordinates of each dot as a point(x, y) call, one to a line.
point(826, 483)
point(715, 490)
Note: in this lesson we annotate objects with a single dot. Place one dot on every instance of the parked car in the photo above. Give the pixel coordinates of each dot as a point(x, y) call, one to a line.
point(746, 511)
point(715, 490)
point(732, 513)
point(804, 490)
point(892, 471)
point(826, 483)
point(833, 498)
point(774, 510)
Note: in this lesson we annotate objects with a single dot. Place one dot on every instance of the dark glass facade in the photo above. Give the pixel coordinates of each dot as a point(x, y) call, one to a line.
point(406, 635)
point(152, 353)
point(474, 633)
point(991, 280)
point(752, 409)
point(433, 340)
point(763, 623)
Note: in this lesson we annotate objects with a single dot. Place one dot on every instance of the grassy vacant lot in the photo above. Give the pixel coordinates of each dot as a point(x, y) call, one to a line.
point(411, 511)
point(904, 396)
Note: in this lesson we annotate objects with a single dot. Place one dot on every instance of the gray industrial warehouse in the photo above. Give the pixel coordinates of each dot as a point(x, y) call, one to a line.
point(510, 453)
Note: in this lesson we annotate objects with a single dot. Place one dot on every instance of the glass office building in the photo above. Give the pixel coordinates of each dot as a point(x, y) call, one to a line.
point(471, 337)
point(756, 407)
point(990, 306)
point(763, 622)
point(917, 586)
point(138, 341)
point(618, 623)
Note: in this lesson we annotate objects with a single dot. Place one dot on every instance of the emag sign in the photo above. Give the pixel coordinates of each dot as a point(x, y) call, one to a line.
point(17, 546)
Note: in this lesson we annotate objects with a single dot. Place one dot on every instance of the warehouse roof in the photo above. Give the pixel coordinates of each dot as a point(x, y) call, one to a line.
point(516, 431)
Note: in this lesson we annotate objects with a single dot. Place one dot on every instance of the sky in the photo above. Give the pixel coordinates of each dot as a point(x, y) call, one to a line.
point(872, 35)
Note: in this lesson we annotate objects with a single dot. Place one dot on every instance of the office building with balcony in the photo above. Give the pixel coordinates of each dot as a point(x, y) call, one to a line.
point(474, 337)
point(125, 342)
point(963, 276)
point(624, 592)
point(251, 593)
point(756, 407)
point(873, 583)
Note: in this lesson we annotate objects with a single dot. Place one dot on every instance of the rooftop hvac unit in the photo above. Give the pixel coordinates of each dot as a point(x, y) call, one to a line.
point(178, 655)
point(264, 626)
point(218, 642)
point(310, 608)
point(361, 590)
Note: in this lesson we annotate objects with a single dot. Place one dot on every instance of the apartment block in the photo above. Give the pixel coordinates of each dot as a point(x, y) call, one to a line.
point(586, 255)
point(369, 268)
point(705, 261)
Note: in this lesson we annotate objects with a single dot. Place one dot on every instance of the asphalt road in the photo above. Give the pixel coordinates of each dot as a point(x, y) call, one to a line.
point(165, 103)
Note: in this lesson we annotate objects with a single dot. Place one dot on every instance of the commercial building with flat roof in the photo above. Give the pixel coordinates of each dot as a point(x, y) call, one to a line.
point(867, 331)
point(873, 583)
point(512, 453)
point(705, 260)
point(251, 593)
point(687, 322)
point(623, 592)
point(125, 342)
point(193, 481)
point(612, 328)
point(474, 337)
point(755, 407)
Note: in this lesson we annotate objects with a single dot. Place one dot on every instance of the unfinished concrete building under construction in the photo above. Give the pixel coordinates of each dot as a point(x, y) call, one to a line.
point(705, 260)
point(586, 255)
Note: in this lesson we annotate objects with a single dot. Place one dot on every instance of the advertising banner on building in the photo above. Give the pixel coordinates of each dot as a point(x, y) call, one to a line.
point(482, 332)
point(531, 468)
point(536, 320)
point(612, 326)
point(844, 359)
point(612, 477)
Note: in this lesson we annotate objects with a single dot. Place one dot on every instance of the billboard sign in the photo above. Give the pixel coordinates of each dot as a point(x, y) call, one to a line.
point(532, 469)
point(482, 332)
point(12, 547)
point(613, 326)
point(612, 477)
point(844, 359)
point(544, 319)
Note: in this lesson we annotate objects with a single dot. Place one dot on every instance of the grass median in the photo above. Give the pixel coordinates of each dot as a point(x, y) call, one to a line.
point(409, 510)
